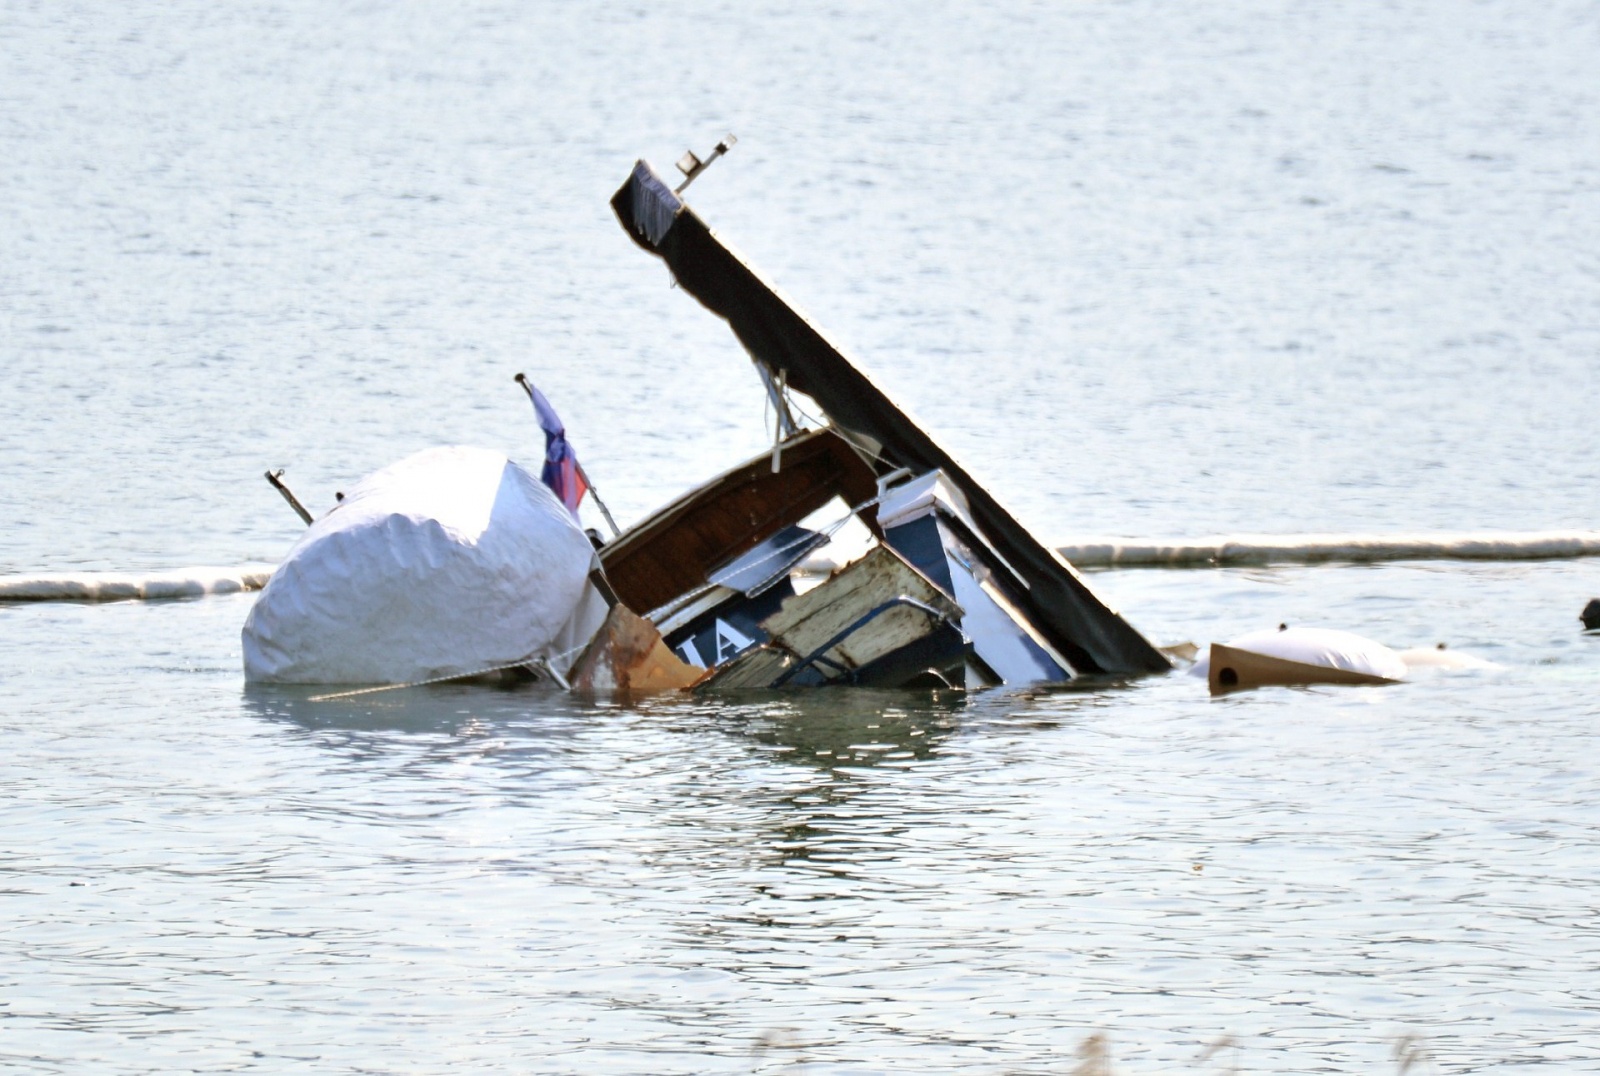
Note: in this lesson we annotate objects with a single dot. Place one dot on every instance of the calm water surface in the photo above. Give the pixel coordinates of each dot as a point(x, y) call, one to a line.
point(1148, 271)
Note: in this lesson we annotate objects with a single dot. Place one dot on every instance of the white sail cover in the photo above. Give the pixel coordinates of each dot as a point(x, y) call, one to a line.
point(449, 562)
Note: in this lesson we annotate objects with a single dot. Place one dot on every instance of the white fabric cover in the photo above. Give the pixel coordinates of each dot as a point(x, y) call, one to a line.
point(448, 562)
point(1327, 647)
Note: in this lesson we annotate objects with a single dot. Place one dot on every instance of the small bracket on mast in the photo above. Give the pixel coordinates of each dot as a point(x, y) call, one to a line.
point(691, 166)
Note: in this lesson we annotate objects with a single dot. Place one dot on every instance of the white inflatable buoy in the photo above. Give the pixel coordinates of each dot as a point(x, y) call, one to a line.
point(1298, 656)
point(446, 563)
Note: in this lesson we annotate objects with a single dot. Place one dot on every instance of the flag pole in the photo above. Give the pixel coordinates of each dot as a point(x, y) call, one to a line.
point(616, 531)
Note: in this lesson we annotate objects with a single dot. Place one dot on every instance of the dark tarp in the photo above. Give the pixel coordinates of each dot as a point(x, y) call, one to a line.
point(1093, 638)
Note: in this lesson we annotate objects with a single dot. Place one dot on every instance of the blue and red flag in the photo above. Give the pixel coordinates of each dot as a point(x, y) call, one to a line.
point(561, 471)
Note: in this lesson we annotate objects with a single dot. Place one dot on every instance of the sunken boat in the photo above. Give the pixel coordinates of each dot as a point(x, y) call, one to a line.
point(456, 563)
point(952, 592)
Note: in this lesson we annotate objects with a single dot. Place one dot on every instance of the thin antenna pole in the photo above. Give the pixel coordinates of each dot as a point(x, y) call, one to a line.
point(276, 478)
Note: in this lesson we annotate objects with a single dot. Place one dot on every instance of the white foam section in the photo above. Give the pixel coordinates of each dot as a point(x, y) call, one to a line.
point(126, 586)
point(1246, 549)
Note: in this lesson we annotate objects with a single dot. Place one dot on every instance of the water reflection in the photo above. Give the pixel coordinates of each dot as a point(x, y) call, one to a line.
point(439, 709)
point(829, 728)
point(833, 728)
point(449, 740)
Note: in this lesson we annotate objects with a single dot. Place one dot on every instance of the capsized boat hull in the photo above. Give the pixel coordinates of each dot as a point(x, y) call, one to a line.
point(875, 622)
point(1048, 594)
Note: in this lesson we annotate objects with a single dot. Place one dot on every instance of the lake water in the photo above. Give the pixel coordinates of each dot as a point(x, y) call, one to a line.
point(1148, 270)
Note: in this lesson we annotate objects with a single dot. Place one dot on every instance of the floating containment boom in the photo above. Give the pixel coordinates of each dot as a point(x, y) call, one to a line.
point(131, 586)
point(1247, 549)
point(1218, 552)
